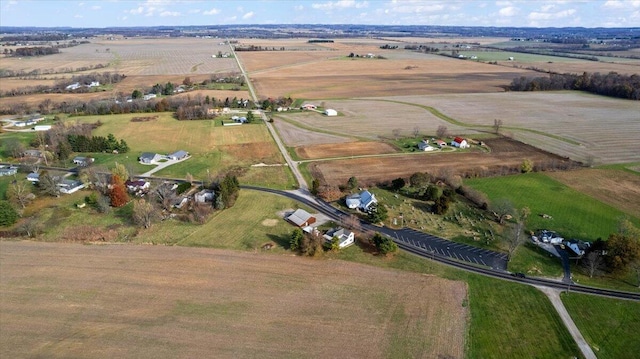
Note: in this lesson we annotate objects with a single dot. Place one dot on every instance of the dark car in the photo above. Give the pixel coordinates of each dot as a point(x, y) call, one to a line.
point(518, 275)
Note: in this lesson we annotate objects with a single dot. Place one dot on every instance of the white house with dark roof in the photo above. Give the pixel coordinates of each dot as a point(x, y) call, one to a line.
point(70, 186)
point(33, 177)
point(8, 171)
point(345, 237)
point(178, 155)
point(83, 161)
point(425, 146)
point(150, 158)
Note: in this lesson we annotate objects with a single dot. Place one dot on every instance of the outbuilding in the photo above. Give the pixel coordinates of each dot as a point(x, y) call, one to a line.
point(330, 112)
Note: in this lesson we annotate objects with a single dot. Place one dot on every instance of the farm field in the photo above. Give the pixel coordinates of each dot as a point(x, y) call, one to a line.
point(294, 135)
point(574, 124)
point(505, 154)
point(618, 188)
point(214, 149)
point(332, 75)
point(142, 56)
point(603, 322)
point(344, 149)
point(374, 118)
point(574, 214)
point(151, 301)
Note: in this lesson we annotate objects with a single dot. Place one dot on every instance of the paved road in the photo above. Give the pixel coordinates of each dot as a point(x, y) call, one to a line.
point(554, 297)
point(293, 165)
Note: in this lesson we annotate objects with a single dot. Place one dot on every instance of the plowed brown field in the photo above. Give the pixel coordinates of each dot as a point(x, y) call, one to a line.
point(69, 300)
point(344, 149)
point(505, 155)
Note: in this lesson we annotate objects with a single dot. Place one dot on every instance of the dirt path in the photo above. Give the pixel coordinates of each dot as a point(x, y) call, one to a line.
point(554, 297)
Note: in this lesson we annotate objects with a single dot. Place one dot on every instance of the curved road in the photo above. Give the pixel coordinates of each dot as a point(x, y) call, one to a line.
point(452, 260)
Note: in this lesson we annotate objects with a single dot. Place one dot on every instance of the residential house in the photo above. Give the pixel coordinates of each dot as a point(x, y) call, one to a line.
point(206, 195)
point(330, 112)
point(301, 218)
point(178, 155)
point(148, 97)
point(345, 237)
point(459, 142)
point(440, 143)
point(83, 161)
point(94, 84)
point(20, 124)
point(576, 247)
point(33, 177)
point(180, 201)
point(362, 200)
point(70, 186)
point(149, 158)
point(138, 187)
point(425, 146)
point(32, 153)
point(308, 106)
point(8, 171)
point(239, 119)
point(73, 86)
point(42, 128)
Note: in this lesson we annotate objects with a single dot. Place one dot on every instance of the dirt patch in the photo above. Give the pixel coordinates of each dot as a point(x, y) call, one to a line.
point(71, 300)
point(617, 188)
point(344, 149)
point(270, 222)
point(257, 152)
point(506, 157)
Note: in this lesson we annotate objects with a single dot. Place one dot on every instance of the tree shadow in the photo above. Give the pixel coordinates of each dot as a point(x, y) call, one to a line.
point(282, 241)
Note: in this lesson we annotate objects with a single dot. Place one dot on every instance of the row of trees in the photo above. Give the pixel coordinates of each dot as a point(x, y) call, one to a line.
point(35, 51)
point(82, 143)
point(314, 244)
point(60, 86)
point(611, 84)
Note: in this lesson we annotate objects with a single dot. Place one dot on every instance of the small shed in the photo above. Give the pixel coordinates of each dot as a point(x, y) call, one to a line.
point(301, 218)
point(330, 112)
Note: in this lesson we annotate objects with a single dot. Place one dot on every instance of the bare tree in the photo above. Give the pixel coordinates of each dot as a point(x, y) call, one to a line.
point(497, 124)
point(165, 195)
point(502, 209)
point(594, 261)
point(416, 131)
point(517, 236)
point(19, 192)
point(352, 222)
point(396, 133)
point(143, 213)
point(442, 131)
point(49, 185)
point(14, 146)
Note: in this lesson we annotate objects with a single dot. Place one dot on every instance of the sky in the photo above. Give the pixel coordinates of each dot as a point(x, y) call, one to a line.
point(530, 13)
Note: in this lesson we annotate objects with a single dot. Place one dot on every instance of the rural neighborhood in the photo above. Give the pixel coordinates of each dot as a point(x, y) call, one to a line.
point(248, 190)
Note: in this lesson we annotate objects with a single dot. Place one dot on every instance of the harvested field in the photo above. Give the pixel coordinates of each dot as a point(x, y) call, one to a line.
point(295, 136)
point(579, 125)
point(337, 78)
point(505, 157)
point(67, 300)
point(375, 118)
point(621, 66)
point(344, 149)
point(617, 188)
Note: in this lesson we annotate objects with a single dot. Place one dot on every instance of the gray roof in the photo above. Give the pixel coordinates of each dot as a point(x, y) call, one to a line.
point(299, 217)
point(179, 154)
point(148, 156)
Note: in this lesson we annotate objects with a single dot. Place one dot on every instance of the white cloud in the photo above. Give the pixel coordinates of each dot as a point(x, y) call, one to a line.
point(622, 4)
point(248, 15)
point(547, 8)
point(77, 16)
point(213, 11)
point(96, 7)
point(169, 13)
point(340, 4)
point(299, 7)
point(194, 11)
point(503, 3)
point(508, 11)
point(536, 16)
point(415, 6)
point(139, 10)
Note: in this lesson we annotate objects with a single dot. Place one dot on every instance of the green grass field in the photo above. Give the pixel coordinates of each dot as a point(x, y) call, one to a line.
point(245, 226)
point(610, 326)
point(535, 261)
point(575, 215)
point(508, 320)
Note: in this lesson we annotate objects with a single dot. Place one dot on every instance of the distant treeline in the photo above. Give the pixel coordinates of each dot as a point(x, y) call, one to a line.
point(611, 84)
point(37, 73)
point(34, 37)
point(311, 41)
point(421, 48)
point(257, 48)
point(35, 51)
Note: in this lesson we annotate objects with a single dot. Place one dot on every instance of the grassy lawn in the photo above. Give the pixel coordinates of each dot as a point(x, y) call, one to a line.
point(23, 137)
point(214, 149)
point(508, 320)
point(575, 215)
point(610, 326)
point(534, 261)
point(245, 226)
